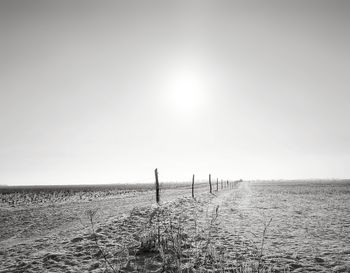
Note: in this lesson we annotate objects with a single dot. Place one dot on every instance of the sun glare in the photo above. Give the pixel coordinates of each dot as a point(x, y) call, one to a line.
point(185, 89)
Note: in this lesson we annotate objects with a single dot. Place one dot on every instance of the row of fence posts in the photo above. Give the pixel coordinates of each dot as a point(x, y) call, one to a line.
point(228, 184)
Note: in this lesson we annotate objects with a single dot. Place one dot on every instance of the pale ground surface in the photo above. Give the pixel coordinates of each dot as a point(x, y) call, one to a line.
point(310, 226)
point(309, 230)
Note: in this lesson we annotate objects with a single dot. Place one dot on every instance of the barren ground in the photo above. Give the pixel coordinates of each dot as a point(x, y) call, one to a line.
point(307, 230)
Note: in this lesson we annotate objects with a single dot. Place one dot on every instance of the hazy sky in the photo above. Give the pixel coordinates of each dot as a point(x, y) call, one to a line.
point(106, 91)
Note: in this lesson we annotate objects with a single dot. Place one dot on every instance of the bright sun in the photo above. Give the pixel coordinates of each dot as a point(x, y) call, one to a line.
point(185, 89)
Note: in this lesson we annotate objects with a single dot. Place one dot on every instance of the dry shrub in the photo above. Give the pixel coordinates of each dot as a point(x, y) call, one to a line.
point(173, 239)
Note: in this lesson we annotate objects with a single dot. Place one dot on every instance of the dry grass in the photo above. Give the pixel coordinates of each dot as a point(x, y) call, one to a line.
point(261, 228)
point(175, 238)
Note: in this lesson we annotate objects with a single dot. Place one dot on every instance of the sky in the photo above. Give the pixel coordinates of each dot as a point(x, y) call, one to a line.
point(107, 91)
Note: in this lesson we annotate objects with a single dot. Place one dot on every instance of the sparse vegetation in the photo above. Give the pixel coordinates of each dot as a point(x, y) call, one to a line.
point(262, 228)
point(175, 240)
point(27, 196)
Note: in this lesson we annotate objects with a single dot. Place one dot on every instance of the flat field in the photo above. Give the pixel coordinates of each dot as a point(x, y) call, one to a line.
point(267, 226)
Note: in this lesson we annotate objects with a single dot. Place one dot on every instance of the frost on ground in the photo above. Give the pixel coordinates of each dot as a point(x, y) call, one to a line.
point(253, 227)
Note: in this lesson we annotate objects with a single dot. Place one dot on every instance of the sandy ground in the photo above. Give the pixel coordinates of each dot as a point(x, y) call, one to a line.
point(307, 229)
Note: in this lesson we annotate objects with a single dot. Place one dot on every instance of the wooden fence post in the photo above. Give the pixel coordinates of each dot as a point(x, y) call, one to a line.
point(222, 186)
point(192, 186)
point(157, 186)
point(217, 184)
point(210, 183)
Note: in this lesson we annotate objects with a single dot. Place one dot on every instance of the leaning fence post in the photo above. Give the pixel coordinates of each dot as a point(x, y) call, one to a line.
point(210, 183)
point(192, 186)
point(157, 186)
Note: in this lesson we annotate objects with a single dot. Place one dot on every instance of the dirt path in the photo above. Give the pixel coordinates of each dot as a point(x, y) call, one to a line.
point(307, 233)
